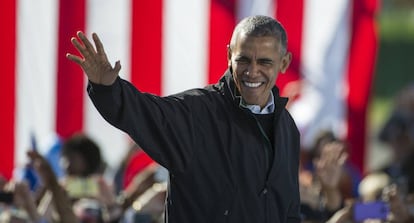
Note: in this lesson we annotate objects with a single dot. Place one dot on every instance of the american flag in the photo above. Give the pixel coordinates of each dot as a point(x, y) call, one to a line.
point(169, 46)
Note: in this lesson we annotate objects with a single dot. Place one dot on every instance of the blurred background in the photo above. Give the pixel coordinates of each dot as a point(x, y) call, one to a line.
point(393, 71)
point(350, 57)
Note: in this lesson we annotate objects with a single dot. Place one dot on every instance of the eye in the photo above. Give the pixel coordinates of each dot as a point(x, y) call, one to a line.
point(242, 60)
point(266, 62)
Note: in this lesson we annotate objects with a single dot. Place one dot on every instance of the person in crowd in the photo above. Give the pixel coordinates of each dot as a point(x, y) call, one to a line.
point(232, 148)
point(134, 162)
point(379, 201)
point(84, 181)
point(17, 203)
point(56, 195)
point(81, 161)
point(143, 199)
point(393, 183)
point(398, 134)
point(136, 178)
point(323, 178)
point(119, 177)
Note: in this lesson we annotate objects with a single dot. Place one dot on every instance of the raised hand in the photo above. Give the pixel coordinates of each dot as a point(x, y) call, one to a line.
point(94, 62)
point(329, 170)
point(24, 199)
point(329, 165)
point(399, 205)
point(43, 168)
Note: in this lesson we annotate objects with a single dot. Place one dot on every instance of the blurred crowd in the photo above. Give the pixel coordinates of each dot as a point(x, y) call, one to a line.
point(332, 189)
point(83, 193)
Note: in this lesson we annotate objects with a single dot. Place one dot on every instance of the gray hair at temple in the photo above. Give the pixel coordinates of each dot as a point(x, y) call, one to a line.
point(259, 26)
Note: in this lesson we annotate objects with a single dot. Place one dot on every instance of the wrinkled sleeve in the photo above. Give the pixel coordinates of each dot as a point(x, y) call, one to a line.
point(162, 126)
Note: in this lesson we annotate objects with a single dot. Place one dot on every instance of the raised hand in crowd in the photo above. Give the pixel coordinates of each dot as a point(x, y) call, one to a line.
point(329, 170)
point(60, 199)
point(24, 199)
point(399, 205)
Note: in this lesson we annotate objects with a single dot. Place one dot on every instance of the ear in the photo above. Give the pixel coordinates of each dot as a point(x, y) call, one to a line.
point(228, 56)
point(287, 58)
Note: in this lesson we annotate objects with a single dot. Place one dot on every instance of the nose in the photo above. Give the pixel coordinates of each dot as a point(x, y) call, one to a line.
point(252, 69)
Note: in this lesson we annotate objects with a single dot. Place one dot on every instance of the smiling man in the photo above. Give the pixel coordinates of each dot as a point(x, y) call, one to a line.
point(256, 58)
point(232, 149)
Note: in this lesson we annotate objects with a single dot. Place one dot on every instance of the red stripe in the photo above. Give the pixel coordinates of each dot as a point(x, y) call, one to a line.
point(290, 14)
point(222, 22)
point(146, 45)
point(7, 86)
point(70, 85)
point(362, 60)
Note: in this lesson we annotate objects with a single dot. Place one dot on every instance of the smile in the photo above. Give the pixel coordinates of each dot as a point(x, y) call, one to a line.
point(252, 84)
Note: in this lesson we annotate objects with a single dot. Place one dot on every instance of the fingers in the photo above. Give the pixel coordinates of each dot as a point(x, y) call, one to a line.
point(98, 44)
point(117, 66)
point(86, 43)
point(22, 188)
point(343, 158)
point(74, 58)
point(94, 63)
point(99, 47)
point(39, 161)
point(33, 154)
point(81, 48)
point(84, 47)
point(335, 153)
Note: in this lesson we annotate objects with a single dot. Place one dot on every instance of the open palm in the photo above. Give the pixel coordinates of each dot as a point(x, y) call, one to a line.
point(94, 62)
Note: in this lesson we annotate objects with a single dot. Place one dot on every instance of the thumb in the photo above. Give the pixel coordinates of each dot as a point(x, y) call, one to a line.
point(117, 66)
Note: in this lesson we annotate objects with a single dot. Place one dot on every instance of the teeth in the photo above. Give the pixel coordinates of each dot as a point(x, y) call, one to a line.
point(250, 84)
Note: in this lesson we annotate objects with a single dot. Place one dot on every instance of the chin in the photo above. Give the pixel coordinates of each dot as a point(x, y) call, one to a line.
point(251, 102)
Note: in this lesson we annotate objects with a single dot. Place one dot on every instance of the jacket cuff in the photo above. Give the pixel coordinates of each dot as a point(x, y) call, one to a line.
point(93, 87)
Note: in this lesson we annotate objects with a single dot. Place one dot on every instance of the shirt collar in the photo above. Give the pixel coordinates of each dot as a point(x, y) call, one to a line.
point(255, 109)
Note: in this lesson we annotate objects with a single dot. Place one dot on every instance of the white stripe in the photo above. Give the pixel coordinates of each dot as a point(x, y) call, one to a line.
point(35, 72)
point(185, 32)
point(255, 7)
point(110, 19)
point(324, 56)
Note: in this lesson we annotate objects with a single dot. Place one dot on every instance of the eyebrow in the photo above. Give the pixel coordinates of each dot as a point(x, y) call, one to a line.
point(259, 59)
point(264, 60)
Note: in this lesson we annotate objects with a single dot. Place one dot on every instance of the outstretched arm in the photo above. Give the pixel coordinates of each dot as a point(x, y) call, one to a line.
point(61, 199)
point(94, 62)
point(163, 126)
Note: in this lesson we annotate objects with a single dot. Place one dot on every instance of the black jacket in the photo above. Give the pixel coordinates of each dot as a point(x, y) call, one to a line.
point(215, 151)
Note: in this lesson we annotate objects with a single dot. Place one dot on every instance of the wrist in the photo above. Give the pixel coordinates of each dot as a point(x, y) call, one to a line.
point(333, 199)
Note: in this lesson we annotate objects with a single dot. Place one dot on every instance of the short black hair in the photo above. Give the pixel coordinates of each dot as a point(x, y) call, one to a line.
point(81, 144)
point(258, 26)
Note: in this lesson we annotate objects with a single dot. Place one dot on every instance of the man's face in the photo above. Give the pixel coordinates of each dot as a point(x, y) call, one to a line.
point(256, 62)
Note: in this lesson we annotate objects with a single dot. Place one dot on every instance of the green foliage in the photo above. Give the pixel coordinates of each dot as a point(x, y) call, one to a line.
point(395, 64)
point(397, 25)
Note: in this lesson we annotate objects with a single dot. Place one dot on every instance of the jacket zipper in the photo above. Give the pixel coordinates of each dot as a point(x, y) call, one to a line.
point(266, 150)
point(267, 158)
